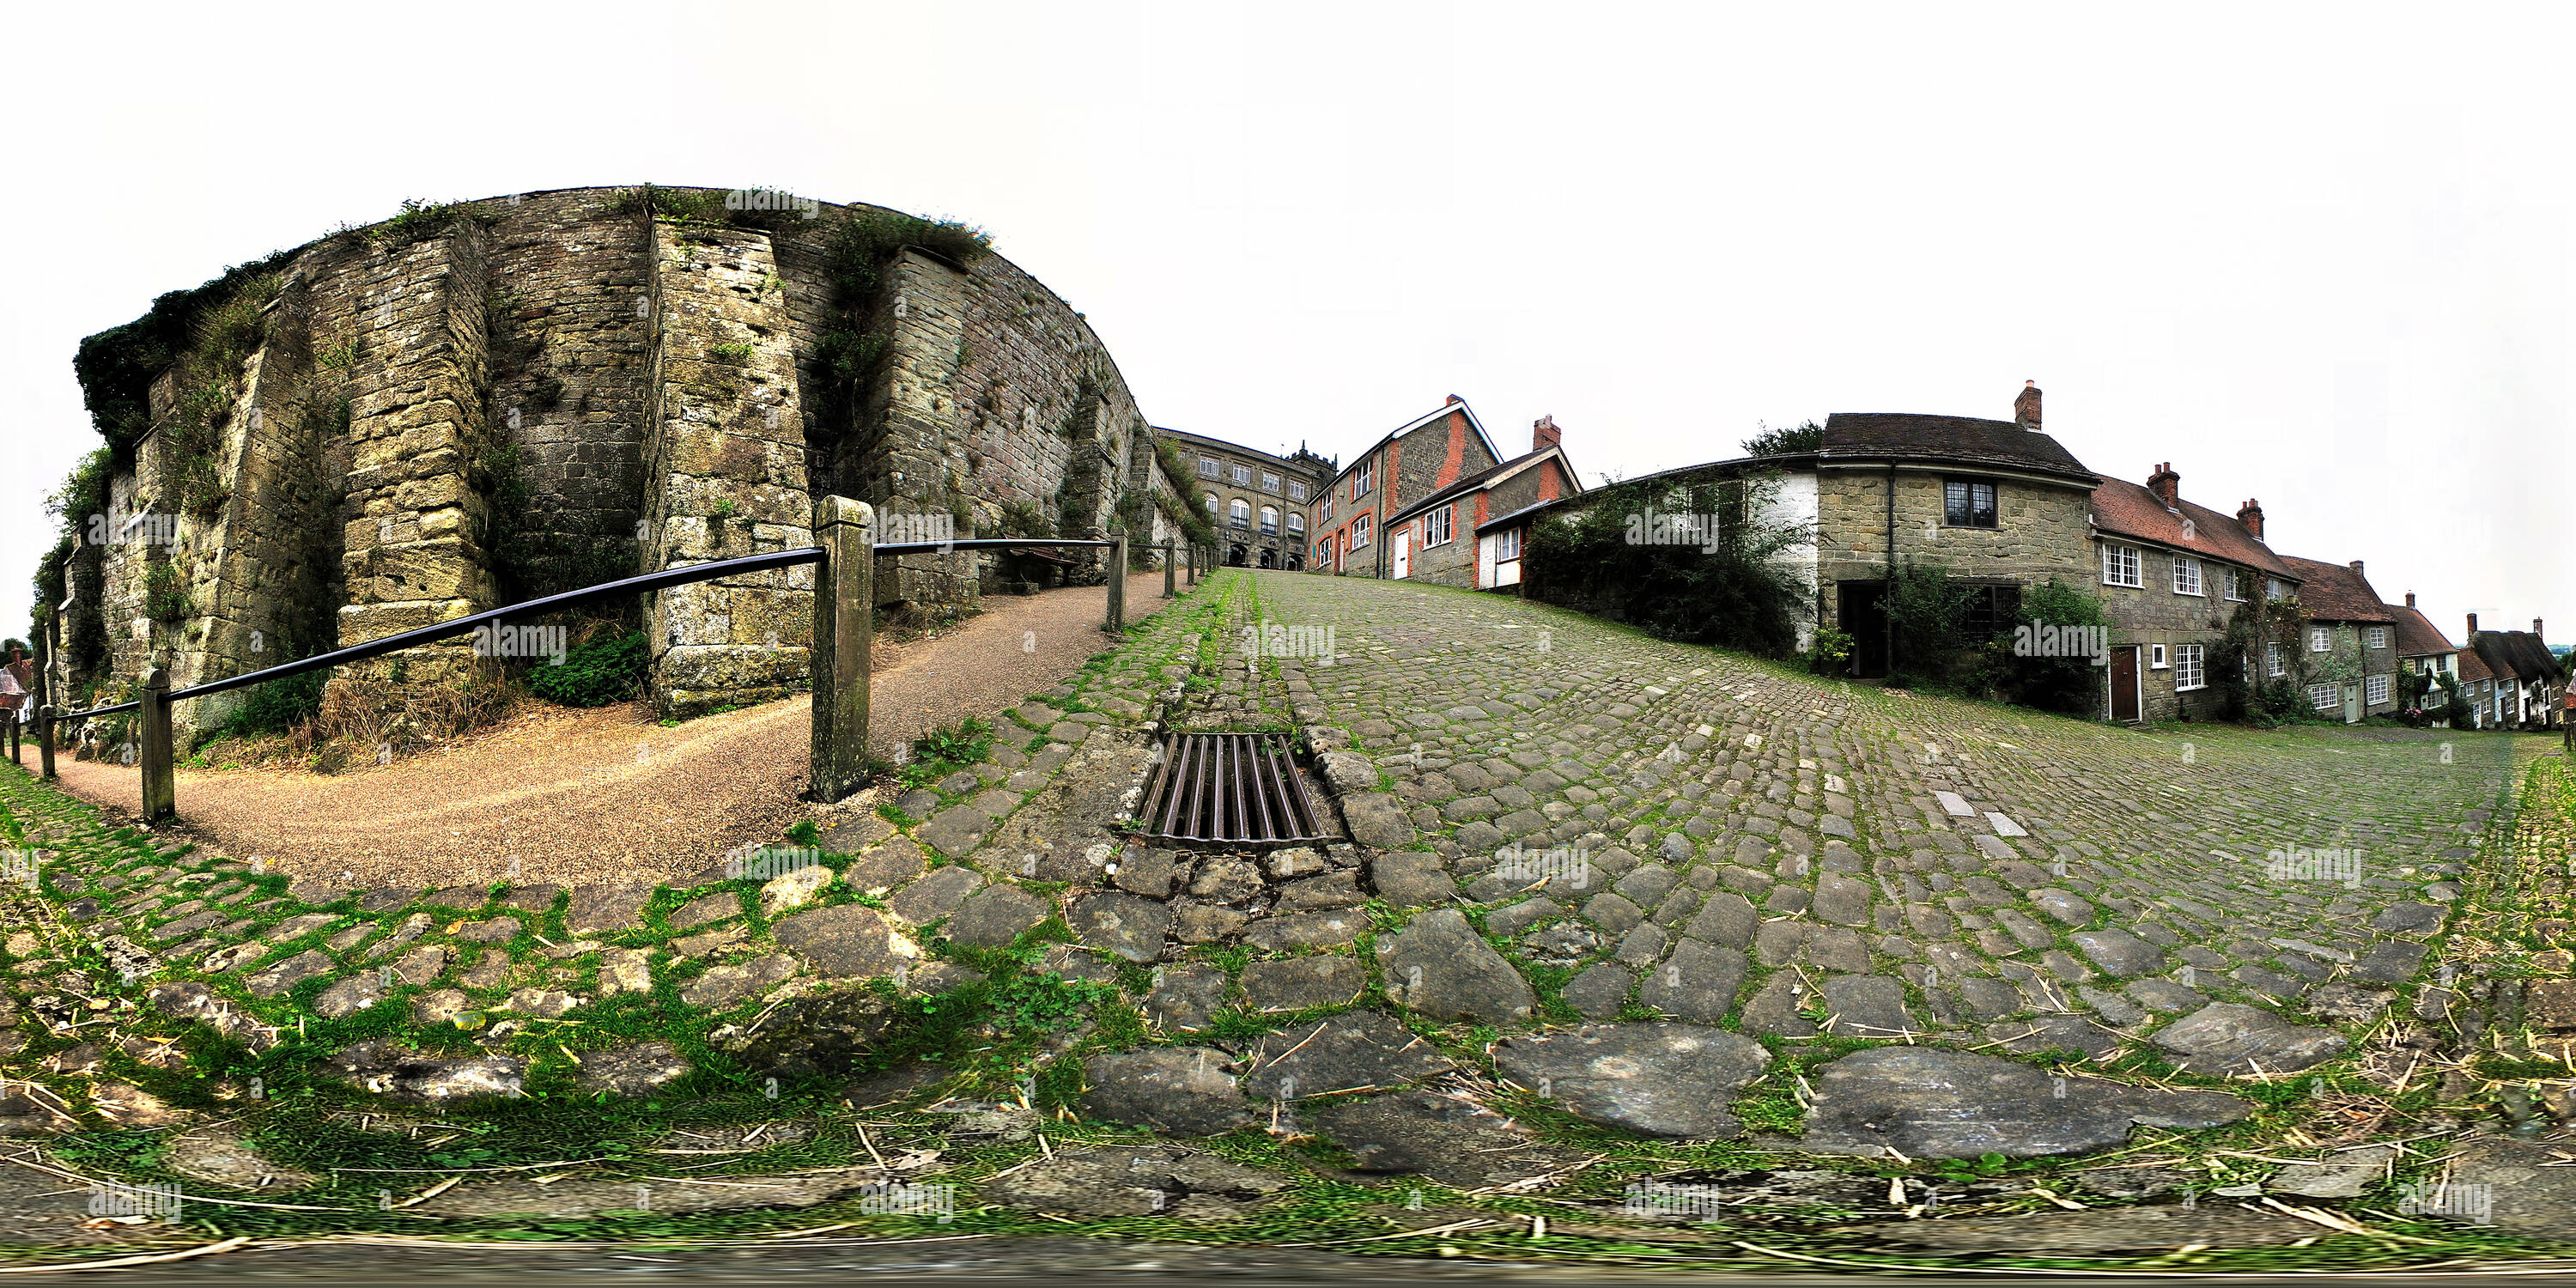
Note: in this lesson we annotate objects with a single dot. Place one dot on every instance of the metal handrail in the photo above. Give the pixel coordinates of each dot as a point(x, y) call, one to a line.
point(681, 575)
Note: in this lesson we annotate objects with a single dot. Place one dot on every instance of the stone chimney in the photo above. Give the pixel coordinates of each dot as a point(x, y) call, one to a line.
point(2473, 625)
point(2356, 567)
point(2410, 599)
point(2167, 486)
point(1544, 434)
point(2026, 406)
point(2251, 515)
point(2535, 628)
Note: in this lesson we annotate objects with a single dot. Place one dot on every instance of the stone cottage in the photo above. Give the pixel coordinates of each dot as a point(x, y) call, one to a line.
point(1412, 461)
point(2346, 653)
point(2173, 574)
point(1472, 532)
point(2527, 677)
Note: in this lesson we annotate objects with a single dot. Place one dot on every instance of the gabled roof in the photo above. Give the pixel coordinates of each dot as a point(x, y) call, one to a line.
point(1474, 426)
point(1493, 476)
point(1963, 439)
point(2336, 593)
point(2125, 508)
point(2472, 668)
point(2416, 634)
point(2515, 654)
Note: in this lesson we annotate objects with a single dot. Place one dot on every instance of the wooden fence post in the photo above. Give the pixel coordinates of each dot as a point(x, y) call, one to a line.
point(1170, 573)
point(844, 633)
point(45, 739)
point(1117, 584)
point(159, 793)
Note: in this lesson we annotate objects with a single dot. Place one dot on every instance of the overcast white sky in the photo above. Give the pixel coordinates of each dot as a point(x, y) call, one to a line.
point(2319, 256)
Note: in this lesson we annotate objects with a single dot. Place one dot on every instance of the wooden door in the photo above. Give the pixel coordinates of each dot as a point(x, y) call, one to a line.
point(2124, 683)
point(1403, 555)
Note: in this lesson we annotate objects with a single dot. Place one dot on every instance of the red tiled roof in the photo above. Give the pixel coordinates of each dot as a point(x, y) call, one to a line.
point(2335, 593)
point(2132, 511)
point(2416, 634)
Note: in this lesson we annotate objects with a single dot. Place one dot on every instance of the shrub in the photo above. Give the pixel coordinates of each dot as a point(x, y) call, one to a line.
point(1830, 654)
point(605, 670)
point(2070, 685)
point(1732, 588)
point(1805, 436)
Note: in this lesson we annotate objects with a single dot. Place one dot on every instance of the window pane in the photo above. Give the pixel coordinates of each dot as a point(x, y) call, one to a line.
point(1982, 499)
point(1955, 501)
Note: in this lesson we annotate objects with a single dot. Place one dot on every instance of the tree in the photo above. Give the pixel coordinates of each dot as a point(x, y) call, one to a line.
point(1805, 436)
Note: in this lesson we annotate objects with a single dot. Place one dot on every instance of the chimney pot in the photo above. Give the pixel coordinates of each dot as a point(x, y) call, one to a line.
point(2167, 486)
point(2473, 623)
point(2410, 599)
point(2251, 515)
point(2026, 406)
point(2356, 566)
point(1544, 434)
point(2535, 628)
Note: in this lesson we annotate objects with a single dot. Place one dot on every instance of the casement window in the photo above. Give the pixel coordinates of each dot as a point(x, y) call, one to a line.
point(2120, 565)
point(2378, 637)
point(1296, 490)
point(1327, 516)
point(1991, 610)
point(1211, 505)
point(2273, 663)
point(1967, 503)
point(1270, 521)
point(2237, 579)
point(1438, 526)
point(2156, 657)
point(1270, 483)
point(2324, 696)
point(1360, 532)
point(2375, 689)
point(2320, 640)
point(2186, 575)
point(1242, 513)
point(1243, 476)
point(1208, 468)
point(1296, 523)
point(1363, 479)
point(1507, 545)
point(2188, 672)
point(2275, 588)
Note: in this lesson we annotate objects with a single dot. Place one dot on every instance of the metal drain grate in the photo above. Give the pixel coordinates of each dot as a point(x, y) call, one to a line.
point(1231, 788)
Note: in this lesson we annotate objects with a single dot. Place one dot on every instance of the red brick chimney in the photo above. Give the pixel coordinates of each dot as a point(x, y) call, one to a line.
point(2410, 599)
point(2026, 407)
point(2167, 486)
point(2251, 515)
point(2473, 624)
point(1544, 434)
point(2535, 628)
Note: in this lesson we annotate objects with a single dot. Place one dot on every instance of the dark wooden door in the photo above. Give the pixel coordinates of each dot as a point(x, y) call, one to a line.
point(1862, 612)
point(2124, 683)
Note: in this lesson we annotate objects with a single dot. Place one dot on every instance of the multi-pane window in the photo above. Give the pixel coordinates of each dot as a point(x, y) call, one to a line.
point(1296, 522)
point(1359, 532)
point(1270, 483)
point(1327, 515)
point(2188, 673)
point(2275, 588)
point(1211, 505)
point(1208, 468)
point(2375, 689)
point(2320, 640)
point(2236, 583)
point(2273, 665)
point(2379, 637)
point(1507, 545)
point(1990, 610)
point(1242, 513)
point(1296, 490)
point(2324, 696)
point(1270, 521)
point(1436, 526)
point(1363, 479)
point(1968, 504)
point(1242, 476)
point(2120, 565)
point(2186, 575)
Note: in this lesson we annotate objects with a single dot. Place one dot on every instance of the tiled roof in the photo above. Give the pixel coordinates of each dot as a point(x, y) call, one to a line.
point(2416, 634)
point(2132, 511)
point(2518, 654)
point(2335, 593)
point(1965, 439)
point(1490, 474)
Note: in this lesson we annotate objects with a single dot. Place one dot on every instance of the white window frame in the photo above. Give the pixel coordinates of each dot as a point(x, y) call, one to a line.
point(2275, 588)
point(1439, 527)
point(1270, 520)
point(2331, 698)
point(1239, 513)
point(1296, 523)
point(2274, 664)
point(2156, 657)
point(1211, 505)
point(2236, 578)
point(2186, 576)
point(2189, 671)
point(2378, 637)
point(2320, 640)
point(1296, 490)
point(1363, 479)
point(1360, 532)
point(2121, 565)
point(2374, 689)
point(1211, 468)
point(1328, 508)
point(1507, 545)
point(1243, 476)
point(1270, 483)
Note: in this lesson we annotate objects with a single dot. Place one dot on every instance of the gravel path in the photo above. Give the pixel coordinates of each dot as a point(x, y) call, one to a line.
point(586, 796)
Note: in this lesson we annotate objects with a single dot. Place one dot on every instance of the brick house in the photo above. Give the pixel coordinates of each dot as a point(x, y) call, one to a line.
point(2348, 645)
point(1412, 461)
point(1263, 506)
point(2173, 574)
point(2528, 680)
point(1999, 502)
point(2422, 649)
point(1471, 533)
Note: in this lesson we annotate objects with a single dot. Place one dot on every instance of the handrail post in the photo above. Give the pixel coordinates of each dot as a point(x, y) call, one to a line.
point(45, 739)
point(159, 793)
point(14, 757)
point(1117, 584)
point(844, 634)
point(1170, 573)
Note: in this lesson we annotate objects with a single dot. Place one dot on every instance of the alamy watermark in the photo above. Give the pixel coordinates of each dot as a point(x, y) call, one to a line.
point(936, 1199)
point(2040, 639)
point(111, 1198)
point(771, 199)
point(493, 639)
point(935, 528)
point(1274, 639)
point(1656, 1198)
point(133, 528)
point(1654, 527)
point(2314, 865)
point(1515, 862)
point(760, 863)
point(2472, 1203)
